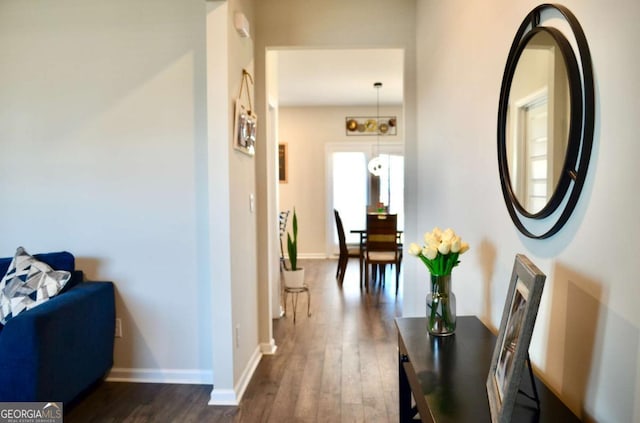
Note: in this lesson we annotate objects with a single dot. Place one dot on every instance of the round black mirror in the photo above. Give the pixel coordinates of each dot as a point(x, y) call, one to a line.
point(545, 122)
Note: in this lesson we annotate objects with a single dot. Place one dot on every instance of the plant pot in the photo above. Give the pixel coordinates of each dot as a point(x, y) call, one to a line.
point(294, 278)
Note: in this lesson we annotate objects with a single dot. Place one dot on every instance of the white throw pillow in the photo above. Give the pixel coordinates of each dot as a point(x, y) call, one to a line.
point(27, 284)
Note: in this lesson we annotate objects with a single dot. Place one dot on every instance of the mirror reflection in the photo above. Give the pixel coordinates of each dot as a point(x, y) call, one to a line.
point(537, 124)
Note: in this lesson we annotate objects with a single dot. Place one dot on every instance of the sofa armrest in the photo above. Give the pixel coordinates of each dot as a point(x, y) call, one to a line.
point(56, 350)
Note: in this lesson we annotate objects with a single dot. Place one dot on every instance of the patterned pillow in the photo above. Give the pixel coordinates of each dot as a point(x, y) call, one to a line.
point(27, 284)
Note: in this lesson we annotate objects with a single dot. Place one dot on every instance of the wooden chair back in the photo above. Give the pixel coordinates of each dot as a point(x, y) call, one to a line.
point(382, 232)
point(342, 240)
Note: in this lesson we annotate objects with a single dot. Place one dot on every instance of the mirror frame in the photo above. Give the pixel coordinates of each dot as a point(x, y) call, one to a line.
point(575, 95)
point(580, 138)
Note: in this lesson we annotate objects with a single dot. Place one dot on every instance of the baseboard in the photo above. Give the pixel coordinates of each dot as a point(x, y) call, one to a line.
point(194, 376)
point(312, 256)
point(224, 397)
point(268, 348)
point(245, 378)
point(229, 397)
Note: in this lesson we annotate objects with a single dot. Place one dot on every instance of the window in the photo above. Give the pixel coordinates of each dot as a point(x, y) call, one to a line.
point(351, 187)
point(350, 192)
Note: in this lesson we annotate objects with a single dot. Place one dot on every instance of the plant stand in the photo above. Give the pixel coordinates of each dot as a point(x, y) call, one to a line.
point(295, 291)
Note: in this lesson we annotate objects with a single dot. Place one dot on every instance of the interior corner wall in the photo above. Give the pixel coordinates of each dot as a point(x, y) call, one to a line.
point(586, 343)
point(102, 115)
point(242, 208)
point(271, 199)
point(219, 114)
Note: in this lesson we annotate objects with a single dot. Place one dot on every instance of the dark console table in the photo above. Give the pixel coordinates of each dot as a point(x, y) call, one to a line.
point(447, 377)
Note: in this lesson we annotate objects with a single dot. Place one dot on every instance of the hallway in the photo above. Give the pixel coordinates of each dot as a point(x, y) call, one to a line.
point(338, 365)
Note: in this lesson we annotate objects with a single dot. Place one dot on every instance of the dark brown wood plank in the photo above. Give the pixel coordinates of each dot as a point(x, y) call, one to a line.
point(339, 365)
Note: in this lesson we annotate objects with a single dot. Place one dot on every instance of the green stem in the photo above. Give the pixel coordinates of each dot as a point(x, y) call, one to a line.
point(441, 318)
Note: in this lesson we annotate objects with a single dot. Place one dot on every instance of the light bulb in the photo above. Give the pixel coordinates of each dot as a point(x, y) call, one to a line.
point(376, 166)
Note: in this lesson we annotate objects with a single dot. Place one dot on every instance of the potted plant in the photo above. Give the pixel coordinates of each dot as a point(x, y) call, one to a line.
point(293, 277)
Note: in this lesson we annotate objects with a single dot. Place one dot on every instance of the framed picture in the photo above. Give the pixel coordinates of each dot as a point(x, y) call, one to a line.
point(244, 129)
point(371, 125)
point(282, 163)
point(512, 346)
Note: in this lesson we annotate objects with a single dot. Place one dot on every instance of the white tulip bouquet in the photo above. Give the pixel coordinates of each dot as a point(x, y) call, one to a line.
point(440, 251)
point(440, 254)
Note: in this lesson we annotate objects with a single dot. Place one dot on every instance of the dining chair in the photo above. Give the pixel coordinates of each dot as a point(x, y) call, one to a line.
point(345, 250)
point(381, 246)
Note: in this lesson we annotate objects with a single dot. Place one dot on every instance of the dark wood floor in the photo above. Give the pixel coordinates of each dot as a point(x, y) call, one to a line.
point(339, 365)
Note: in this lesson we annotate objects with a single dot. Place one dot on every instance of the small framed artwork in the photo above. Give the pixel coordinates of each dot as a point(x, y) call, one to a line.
point(282, 163)
point(511, 351)
point(244, 130)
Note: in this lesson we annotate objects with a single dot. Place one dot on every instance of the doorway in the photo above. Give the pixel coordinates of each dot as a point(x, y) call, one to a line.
point(314, 90)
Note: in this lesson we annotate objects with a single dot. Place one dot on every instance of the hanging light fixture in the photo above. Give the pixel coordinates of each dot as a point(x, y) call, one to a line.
point(376, 165)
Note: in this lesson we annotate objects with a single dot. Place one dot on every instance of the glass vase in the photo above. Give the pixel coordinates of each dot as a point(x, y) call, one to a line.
point(441, 307)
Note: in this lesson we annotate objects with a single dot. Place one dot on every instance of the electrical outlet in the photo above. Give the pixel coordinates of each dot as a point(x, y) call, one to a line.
point(118, 333)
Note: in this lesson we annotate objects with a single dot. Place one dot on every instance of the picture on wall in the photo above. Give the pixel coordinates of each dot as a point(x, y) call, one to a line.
point(511, 351)
point(282, 163)
point(371, 125)
point(245, 128)
point(245, 123)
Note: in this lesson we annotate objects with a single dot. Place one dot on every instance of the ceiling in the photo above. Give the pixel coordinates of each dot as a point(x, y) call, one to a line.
point(324, 77)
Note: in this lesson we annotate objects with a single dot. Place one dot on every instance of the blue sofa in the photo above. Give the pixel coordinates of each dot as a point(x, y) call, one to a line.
point(57, 350)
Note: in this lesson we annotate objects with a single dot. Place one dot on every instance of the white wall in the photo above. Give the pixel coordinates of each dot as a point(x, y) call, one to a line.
point(307, 131)
point(115, 145)
point(100, 110)
point(586, 342)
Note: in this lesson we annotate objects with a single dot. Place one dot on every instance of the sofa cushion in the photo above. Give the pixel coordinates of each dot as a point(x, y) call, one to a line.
point(27, 284)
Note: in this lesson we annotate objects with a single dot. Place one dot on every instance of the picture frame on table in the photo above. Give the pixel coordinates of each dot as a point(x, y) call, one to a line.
point(511, 352)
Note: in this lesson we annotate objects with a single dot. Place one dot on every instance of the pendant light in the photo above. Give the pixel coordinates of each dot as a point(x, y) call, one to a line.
point(376, 165)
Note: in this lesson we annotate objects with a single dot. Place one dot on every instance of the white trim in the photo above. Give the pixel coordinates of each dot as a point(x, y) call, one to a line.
point(312, 256)
point(309, 256)
point(195, 376)
point(268, 348)
point(182, 376)
point(228, 397)
point(223, 397)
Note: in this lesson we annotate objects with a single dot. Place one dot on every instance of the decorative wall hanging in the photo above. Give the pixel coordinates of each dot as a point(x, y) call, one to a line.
point(371, 125)
point(245, 121)
point(282, 163)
